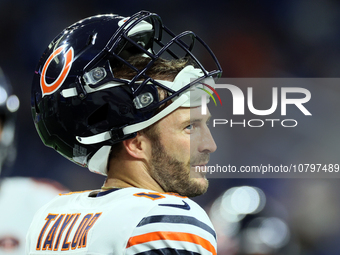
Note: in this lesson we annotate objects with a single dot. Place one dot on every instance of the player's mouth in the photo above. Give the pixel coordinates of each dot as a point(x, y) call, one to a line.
point(199, 170)
point(200, 166)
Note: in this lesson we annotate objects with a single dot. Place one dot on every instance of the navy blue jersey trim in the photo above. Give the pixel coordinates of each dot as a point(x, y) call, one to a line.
point(184, 206)
point(179, 219)
point(168, 251)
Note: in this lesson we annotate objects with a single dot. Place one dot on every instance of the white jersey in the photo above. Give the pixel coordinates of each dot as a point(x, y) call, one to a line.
point(122, 221)
point(20, 199)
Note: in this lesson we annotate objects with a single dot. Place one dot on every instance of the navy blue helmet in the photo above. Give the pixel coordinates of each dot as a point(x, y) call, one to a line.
point(81, 109)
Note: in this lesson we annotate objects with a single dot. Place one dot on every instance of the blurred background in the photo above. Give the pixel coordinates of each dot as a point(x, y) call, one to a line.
point(299, 38)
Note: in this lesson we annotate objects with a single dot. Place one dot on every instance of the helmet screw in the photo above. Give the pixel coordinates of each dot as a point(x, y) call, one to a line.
point(145, 99)
point(98, 73)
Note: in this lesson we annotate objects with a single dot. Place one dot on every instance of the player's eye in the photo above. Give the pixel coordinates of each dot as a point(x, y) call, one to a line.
point(189, 127)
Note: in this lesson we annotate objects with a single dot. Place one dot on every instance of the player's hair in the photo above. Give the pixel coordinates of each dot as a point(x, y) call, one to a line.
point(162, 69)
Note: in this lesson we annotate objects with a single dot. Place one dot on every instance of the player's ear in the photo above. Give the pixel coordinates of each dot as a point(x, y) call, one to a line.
point(138, 147)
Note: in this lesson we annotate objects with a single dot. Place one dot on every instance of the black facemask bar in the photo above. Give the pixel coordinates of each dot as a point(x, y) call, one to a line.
point(120, 39)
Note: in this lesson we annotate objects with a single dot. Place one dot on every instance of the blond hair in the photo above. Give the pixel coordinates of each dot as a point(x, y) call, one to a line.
point(162, 69)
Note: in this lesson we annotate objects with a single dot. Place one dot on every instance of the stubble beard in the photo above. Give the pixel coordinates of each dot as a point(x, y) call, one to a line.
point(173, 175)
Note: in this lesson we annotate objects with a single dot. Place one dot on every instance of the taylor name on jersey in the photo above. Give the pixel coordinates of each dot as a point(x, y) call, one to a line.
point(122, 221)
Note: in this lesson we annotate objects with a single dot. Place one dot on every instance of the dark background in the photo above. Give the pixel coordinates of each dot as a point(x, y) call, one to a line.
point(299, 38)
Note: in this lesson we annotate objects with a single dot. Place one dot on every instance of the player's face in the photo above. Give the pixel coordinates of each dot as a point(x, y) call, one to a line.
point(181, 150)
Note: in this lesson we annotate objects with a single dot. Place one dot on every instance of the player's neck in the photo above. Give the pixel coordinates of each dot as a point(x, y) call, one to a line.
point(130, 173)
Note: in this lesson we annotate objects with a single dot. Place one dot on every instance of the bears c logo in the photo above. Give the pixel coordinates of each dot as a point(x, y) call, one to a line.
point(52, 87)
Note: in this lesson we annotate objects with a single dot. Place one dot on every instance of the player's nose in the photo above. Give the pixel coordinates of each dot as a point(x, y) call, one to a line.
point(207, 143)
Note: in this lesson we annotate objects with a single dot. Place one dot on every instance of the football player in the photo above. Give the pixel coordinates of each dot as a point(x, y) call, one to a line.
point(122, 97)
point(20, 197)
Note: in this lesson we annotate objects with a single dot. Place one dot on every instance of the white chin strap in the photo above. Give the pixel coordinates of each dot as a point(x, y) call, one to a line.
point(189, 98)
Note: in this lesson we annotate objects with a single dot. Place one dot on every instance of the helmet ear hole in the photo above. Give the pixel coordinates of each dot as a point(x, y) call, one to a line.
point(98, 115)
